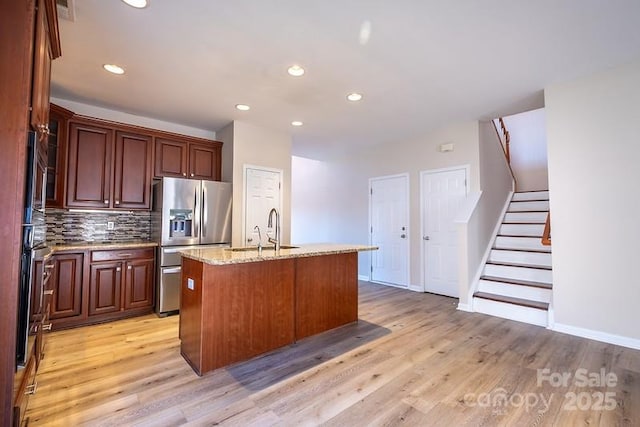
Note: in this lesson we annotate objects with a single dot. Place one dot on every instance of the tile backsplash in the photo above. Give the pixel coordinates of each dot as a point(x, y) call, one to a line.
point(64, 226)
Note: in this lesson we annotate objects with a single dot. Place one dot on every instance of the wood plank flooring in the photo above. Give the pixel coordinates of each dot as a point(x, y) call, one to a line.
point(412, 359)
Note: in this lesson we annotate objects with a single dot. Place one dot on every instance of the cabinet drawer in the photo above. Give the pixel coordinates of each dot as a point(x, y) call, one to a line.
point(122, 254)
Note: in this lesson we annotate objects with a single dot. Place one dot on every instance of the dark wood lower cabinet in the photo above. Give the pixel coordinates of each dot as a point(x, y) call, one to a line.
point(101, 285)
point(138, 290)
point(67, 295)
point(104, 288)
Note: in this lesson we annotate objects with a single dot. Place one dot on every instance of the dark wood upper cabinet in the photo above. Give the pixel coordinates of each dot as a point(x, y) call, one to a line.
point(42, 57)
point(204, 161)
point(188, 159)
point(108, 168)
point(171, 158)
point(90, 166)
point(132, 184)
point(56, 155)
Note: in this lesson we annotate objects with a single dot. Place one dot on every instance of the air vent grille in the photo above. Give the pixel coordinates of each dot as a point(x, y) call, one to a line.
point(66, 9)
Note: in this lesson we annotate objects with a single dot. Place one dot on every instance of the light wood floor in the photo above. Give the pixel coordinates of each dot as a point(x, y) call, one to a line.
point(412, 359)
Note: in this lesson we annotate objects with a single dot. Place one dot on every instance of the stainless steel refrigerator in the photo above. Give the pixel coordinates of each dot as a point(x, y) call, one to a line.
point(187, 214)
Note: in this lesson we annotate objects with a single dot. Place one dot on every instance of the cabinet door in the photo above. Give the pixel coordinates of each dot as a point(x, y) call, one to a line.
point(89, 172)
point(56, 155)
point(171, 158)
point(104, 288)
point(42, 57)
point(67, 286)
point(132, 183)
point(204, 162)
point(138, 291)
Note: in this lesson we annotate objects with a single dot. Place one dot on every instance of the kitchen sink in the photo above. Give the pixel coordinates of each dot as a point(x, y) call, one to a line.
point(255, 248)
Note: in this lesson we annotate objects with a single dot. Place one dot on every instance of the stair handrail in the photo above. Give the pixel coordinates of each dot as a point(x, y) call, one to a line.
point(546, 235)
point(507, 139)
point(505, 150)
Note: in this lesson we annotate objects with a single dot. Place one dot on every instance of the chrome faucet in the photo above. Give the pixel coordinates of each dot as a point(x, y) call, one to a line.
point(256, 228)
point(276, 239)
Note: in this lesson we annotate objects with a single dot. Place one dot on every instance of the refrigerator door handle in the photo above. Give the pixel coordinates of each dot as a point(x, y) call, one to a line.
point(196, 212)
point(204, 210)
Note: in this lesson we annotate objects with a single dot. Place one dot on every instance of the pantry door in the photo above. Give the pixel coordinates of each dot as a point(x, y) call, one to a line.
point(263, 191)
point(442, 193)
point(389, 228)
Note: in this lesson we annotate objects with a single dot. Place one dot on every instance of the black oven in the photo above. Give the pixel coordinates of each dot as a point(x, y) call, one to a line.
point(33, 236)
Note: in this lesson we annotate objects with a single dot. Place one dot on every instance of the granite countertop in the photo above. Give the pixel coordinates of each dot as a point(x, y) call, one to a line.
point(224, 256)
point(81, 246)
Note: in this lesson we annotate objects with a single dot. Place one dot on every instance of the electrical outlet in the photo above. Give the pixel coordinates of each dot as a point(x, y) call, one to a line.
point(111, 225)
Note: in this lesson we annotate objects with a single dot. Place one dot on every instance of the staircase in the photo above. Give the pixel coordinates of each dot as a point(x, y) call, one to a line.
point(516, 280)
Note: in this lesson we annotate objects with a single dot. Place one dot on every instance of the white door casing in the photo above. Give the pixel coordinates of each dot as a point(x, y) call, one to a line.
point(442, 192)
point(263, 191)
point(389, 229)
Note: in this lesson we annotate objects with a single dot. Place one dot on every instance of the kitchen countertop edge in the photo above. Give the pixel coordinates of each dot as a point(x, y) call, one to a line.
point(226, 256)
point(70, 247)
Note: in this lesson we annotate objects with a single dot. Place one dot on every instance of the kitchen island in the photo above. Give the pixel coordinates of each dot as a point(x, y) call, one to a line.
point(237, 303)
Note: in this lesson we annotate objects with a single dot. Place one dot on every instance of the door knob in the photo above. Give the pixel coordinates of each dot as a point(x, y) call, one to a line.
point(425, 237)
point(403, 236)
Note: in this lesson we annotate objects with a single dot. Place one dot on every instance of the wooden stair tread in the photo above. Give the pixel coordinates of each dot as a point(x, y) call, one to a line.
point(518, 282)
point(524, 223)
point(530, 191)
point(519, 264)
point(519, 235)
point(545, 211)
point(529, 200)
point(537, 251)
point(512, 300)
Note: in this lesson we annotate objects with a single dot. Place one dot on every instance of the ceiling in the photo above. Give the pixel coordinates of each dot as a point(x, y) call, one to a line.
point(425, 63)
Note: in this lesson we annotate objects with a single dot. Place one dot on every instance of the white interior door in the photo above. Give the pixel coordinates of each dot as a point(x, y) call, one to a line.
point(389, 229)
point(262, 193)
point(442, 194)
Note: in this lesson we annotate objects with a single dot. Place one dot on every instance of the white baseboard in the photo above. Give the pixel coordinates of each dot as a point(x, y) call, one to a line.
point(598, 336)
point(465, 307)
point(363, 277)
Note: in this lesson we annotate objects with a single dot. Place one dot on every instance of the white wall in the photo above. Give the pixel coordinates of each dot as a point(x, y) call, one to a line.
point(483, 211)
point(593, 127)
point(119, 116)
point(259, 146)
point(528, 149)
point(345, 201)
point(225, 135)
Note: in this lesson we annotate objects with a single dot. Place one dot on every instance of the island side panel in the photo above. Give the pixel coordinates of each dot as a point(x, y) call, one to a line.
point(191, 314)
point(248, 309)
point(326, 293)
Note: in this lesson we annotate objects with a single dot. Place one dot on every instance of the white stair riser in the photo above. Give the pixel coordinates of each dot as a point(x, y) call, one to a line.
point(510, 290)
point(533, 195)
point(534, 217)
point(527, 243)
point(535, 230)
point(511, 311)
point(518, 257)
point(528, 206)
point(518, 273)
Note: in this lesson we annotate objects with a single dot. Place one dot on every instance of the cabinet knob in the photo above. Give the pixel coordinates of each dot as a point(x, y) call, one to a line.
point(106, 202)
point(118, 269)
point(184, 174)
point(48, 292)
point(128, 267)
point(117, 202)
point(192, 175)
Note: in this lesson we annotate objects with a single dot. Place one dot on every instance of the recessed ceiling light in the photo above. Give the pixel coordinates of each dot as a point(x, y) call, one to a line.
point(296, 123)
point(138, 4)
point(243, 107)
point(354, 96)
point(295, 70)
point(113, 68)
